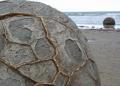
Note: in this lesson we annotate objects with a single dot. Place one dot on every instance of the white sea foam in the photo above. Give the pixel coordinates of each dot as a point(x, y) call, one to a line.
point(94, 21)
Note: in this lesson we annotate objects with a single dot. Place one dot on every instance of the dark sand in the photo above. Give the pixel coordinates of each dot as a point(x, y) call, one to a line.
point(105, 47)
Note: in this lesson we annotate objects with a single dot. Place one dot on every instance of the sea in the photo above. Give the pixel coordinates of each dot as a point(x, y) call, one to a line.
point(93, 19)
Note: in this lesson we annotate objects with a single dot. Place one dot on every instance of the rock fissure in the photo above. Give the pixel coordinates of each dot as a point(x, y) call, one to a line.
point(52, 42)
point(54, 59)
point(14, 69)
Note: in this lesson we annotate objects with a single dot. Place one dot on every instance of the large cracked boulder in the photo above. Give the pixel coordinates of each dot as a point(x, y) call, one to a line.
point(40, 46)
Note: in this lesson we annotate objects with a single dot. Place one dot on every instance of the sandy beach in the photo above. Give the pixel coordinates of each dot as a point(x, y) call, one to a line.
point(105, 48)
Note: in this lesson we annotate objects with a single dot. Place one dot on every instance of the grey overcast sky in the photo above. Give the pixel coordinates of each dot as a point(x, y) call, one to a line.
point(83, 5)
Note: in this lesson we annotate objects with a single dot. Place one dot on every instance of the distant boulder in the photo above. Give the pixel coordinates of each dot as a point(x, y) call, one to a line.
point(109, 23)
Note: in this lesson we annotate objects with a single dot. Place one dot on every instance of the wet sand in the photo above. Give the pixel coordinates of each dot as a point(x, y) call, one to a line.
point(105, 48)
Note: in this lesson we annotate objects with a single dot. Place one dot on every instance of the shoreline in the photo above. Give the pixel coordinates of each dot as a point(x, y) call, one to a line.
point(101, 29)
point(94, 27)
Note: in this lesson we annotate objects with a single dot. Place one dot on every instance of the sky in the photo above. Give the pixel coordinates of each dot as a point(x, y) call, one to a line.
point(83, 5)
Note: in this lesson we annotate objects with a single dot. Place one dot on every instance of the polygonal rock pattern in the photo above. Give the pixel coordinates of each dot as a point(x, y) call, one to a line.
point(61, 80)
point(41, 9)
point(43, 49)
point(40, 46)
point(84, 77)
point(18, 29)
point(23, 30)
point(17, 54)
point(9, 77)
point(70, 50)
point(44, 71)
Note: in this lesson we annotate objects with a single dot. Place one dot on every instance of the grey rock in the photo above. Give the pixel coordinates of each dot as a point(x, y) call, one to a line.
point(40, 46)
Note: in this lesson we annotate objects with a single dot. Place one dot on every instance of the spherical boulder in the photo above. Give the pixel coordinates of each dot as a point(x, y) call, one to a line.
point(40, 46)
point(109, 22)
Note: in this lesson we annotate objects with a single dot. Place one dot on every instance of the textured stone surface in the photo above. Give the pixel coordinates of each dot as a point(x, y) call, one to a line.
point(6, 7)
point(19, 31)
point(44, 71)
point(43, 49)
point(82, 78)
point(23, 30)
point(70, 50)
point(10, 77)
point(40, 46)
point(2, 43)
point(71, 45)
point(17, 54)
point(86, 74)
point(61, 80)
point(2, 39)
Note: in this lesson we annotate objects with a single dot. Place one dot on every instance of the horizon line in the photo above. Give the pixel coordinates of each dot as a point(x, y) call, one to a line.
point(91, 11)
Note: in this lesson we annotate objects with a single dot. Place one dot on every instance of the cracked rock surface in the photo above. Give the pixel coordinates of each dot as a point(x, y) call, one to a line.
point(40, 46)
